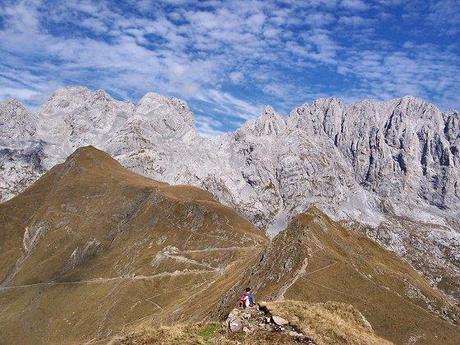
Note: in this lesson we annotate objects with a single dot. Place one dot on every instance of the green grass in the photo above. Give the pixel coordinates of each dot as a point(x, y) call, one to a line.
point(208, 332)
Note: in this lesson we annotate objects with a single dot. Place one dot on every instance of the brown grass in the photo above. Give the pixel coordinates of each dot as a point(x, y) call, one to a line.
point(92, 197)
point(328, 323)
point(199, 334)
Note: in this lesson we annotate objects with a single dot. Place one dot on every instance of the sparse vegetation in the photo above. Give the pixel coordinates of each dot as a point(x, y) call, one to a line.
point(198, 334)
point(325, 323)
point(329, 323)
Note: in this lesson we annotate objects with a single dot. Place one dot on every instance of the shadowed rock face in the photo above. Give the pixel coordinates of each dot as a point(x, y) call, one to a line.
point(92, 249)
point(378, 164)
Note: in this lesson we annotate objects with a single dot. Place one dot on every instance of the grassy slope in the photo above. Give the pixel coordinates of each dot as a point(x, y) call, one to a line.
point(92, 198)
point(345, 267)
point(157, 252)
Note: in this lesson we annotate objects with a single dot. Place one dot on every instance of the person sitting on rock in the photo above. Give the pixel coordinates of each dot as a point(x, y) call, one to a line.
point(247, 299)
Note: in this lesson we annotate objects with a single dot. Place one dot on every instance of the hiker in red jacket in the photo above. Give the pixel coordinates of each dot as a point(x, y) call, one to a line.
point(247, 299)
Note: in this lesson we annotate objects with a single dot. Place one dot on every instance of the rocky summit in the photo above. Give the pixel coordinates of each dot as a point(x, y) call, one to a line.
point(389, 169)
point(94, 253)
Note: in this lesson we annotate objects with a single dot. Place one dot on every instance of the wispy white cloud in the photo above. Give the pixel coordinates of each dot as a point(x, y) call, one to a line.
point(355, 21)
point(209, 126)
point(226, 103)
point(228, 58)
point(354, 5)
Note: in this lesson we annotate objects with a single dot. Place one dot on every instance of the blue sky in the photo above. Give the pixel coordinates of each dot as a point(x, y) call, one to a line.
point(229, 58)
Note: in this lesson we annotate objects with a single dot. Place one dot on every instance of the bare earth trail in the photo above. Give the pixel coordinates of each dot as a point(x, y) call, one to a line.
point(299, 273)
point(105, 280)
point(175, 256)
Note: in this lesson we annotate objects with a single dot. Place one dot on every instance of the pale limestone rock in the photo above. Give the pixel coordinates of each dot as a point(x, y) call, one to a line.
point(31, 236)
point(278, 320)
point(369, 162)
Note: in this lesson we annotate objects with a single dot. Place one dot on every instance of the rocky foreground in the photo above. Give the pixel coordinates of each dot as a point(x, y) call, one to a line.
point(300, 323)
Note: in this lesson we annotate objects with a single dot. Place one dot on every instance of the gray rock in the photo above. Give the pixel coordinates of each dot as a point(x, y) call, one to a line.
point(369, 162)
point(278, 320)
point(246, 316)
point(235, 325)
point(81, 254)
point(247, 330)
point(295, 334)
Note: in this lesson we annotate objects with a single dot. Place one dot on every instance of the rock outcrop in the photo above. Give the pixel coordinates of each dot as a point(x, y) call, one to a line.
point(251, 320)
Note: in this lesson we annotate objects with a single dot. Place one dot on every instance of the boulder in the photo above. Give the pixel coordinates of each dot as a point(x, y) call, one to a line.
point(278, 320)
point(235, 325)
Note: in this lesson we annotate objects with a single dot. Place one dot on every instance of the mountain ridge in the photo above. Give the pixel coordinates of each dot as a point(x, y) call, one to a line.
point(92, 249)
point(372, 163)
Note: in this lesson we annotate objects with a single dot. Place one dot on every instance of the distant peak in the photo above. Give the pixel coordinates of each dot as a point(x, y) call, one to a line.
point(268, 111)
point(16, 121)
point(166, 115)
point(412, 100)
point(152, 100)
point(412, 106)
point(268, 123)
point(80, 92)
point(12, 103)
point(151, 96)
point(74, 89)
point(327, 101)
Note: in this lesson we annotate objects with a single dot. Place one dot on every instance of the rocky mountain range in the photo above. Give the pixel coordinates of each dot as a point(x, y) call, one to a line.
point(93, 253)
point(390, 169)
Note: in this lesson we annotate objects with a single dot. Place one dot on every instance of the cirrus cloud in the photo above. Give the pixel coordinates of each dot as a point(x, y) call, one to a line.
point(227, 59)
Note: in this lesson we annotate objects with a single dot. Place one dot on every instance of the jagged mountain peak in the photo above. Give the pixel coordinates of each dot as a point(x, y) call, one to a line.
point(169, 115)
point(151, 100)
point(153, 97)
point(16, 121)
point(413, 100)
point(71, 98)
point(414, 107)
point(322, 116)
point(11, 103)
point(79, 90)
point(327, 102)
point(268, 123)
point(349, 160)
point(268, 111)
point(70, 94)
point(75, 116)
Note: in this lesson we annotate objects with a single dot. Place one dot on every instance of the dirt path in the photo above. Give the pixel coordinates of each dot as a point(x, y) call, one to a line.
point(175, 256)
point(184, 259)
point(105, 280)
point(217, 249)
point(286, 287)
